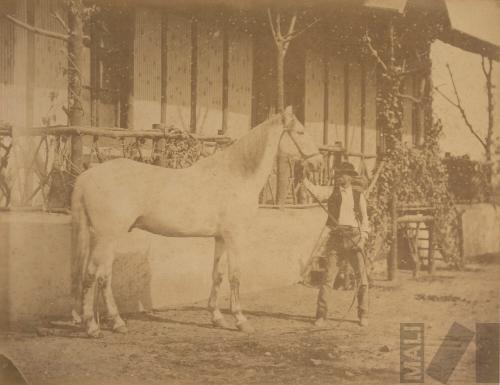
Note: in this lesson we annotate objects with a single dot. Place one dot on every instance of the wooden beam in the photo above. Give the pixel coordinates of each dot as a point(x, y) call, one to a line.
point(108, 132)
point(194, 73)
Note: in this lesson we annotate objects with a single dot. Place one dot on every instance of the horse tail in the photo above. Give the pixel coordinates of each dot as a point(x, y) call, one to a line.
point(80, 245)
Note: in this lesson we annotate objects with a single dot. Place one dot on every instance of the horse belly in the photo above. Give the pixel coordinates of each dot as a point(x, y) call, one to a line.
point(180, 221)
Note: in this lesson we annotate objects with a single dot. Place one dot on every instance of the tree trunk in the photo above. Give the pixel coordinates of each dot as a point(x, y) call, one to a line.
point(280, 79)
point(75, 66)
point(282, 168)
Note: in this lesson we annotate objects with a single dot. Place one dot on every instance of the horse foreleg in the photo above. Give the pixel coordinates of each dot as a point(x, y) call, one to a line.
point(217, 275)
point(233, 258)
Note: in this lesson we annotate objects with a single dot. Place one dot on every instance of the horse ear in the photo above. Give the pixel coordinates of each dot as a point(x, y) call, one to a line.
point(288, 117)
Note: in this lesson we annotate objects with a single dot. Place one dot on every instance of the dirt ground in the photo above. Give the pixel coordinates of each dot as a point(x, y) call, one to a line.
point(179, 345)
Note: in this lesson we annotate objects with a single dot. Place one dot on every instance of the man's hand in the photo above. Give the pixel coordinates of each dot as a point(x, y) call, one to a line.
point(363, 239)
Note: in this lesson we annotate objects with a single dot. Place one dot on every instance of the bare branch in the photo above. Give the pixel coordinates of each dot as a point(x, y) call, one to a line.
point(409, 97)
point(373, 51)
point(298, 33)
point(37, 30)
point(462, 110)
point(61, 22)
point(292, 24)
point(445, 96)
point(40, 31)
point(271, 24)
point(458, 105)
point(487, 73)
point(278, 25)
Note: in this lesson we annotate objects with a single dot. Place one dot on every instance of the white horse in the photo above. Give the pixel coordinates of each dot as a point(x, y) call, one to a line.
point(216, 197)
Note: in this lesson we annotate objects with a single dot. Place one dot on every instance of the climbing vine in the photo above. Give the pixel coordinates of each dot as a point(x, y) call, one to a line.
point(412, 175)
point(416, 176)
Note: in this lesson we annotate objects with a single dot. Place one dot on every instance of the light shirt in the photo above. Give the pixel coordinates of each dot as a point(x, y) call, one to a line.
point(347, 215)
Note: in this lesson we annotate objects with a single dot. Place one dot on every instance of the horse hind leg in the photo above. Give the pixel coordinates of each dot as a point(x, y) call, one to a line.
point(217, 276)
point(88, 301)
point(109, 300)
point(98, 277)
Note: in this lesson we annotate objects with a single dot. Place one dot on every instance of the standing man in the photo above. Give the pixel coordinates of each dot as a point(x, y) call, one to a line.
point(349, 228)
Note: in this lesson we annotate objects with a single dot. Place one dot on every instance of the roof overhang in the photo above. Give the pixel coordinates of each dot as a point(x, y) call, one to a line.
point(474, 25)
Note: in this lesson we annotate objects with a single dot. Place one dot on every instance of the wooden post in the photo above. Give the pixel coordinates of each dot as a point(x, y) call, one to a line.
point(75, 66)
point(461, 237)
point(392, 262)
point(160, 143)
point(194, 73)
point(430, 262)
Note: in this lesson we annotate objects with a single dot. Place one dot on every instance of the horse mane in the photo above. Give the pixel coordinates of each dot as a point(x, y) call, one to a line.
point(247, 152)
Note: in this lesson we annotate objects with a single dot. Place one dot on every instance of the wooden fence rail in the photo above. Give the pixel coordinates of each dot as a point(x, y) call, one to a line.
point(51, 164)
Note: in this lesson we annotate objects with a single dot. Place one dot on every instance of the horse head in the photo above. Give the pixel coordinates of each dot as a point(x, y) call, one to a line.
point(298, 144)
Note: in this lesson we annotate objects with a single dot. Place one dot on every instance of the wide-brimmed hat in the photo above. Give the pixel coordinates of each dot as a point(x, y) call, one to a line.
point(346, 168)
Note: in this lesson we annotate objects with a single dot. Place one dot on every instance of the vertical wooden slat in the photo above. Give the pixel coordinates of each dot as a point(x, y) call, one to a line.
point(314, 94)
point(131, 72)
point(363, 106)
point(95, 76)
point(194, 73)
point(392, 261)
point(209, 83)
point(336, 100)
point(30, 65)
point(240, 79)
point(8, 92)
point(179, 71)
point(225, 77)
point(164, 67)
point(416, 111)
point(346, 105)
point(370, 131)
point(407, 131)
point(326, 93)
point(147, 68)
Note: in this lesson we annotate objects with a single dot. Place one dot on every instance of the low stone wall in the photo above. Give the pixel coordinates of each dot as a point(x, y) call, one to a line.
point(34, 265)
point(481, 229)
point(149, 271)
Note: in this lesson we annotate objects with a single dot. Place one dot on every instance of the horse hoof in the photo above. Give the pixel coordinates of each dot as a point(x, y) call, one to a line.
point(245, 327)
point(122, 329)
point(95, 333)
point(220, 323)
